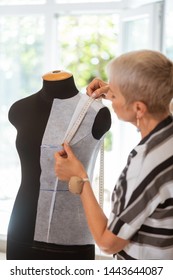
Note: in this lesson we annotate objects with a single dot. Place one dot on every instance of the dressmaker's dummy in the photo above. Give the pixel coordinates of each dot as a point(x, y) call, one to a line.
point(31, 116)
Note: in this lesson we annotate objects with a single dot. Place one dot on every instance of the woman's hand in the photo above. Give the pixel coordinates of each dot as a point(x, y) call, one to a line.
point(67, 165)
point(97, 88)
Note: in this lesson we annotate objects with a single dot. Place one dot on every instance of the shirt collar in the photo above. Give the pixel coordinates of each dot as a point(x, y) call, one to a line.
point(161, 125)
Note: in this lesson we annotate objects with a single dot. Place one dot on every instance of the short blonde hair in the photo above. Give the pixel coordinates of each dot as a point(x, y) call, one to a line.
point(145, 76)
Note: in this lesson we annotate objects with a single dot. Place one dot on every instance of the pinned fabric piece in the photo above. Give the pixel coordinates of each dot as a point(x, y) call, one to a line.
point(60, 215)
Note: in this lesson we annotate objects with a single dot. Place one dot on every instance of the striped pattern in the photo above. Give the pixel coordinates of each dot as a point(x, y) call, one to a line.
point(142, 201)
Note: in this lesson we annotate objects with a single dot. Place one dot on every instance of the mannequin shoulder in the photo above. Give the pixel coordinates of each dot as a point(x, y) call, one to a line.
point(21, 108)
point(102, 122)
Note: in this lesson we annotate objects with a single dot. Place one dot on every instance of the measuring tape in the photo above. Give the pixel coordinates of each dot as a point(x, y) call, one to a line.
point(69, 136)
point(101, 175)
point(72, 129)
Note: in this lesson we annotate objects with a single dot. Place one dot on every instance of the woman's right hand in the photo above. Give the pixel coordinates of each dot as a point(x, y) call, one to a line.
point(97, 88)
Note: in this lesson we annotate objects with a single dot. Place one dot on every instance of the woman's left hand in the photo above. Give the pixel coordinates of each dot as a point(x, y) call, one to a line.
point(67, 165)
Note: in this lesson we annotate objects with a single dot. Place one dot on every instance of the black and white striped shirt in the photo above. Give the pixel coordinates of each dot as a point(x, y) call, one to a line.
point(142, 201)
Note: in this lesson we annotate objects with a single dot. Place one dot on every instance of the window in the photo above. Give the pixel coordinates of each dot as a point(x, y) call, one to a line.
point(141, 27)
point(21, 2)
point(168, 38)
point(85, 51)
point(36, 39)
point(168, 35)
point(84, 1)
point(21, 46)
point(133, 28)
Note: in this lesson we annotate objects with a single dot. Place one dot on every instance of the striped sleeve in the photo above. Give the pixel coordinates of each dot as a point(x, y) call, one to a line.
point(145, 184)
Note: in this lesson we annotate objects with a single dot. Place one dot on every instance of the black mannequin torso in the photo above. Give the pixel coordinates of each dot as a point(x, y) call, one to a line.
point(37, 106)
point(30, 116)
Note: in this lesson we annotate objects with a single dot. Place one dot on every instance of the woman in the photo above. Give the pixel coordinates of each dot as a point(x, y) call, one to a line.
point(140, 225)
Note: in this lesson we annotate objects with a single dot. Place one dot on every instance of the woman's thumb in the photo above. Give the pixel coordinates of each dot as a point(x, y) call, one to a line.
point(68, 150)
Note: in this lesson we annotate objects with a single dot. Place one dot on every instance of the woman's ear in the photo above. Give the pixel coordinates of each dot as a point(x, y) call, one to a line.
point(139, 108)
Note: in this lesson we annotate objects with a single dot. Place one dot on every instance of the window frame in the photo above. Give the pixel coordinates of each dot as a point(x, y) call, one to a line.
point(155, 13)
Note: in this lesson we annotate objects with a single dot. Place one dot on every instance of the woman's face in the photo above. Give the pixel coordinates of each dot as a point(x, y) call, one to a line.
point(123, 111)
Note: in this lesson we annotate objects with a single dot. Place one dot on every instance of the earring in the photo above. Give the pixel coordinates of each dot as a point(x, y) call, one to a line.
point(137, 124)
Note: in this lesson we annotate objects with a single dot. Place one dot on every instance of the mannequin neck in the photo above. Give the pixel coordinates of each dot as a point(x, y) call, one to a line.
point(61, 89)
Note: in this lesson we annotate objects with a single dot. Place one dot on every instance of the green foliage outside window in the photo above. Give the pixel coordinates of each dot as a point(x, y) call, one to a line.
point(87, 44)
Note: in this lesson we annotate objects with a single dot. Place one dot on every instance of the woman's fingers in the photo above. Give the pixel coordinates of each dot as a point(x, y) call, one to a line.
point(101, 92)
point(97, 88)
point(67, 165)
